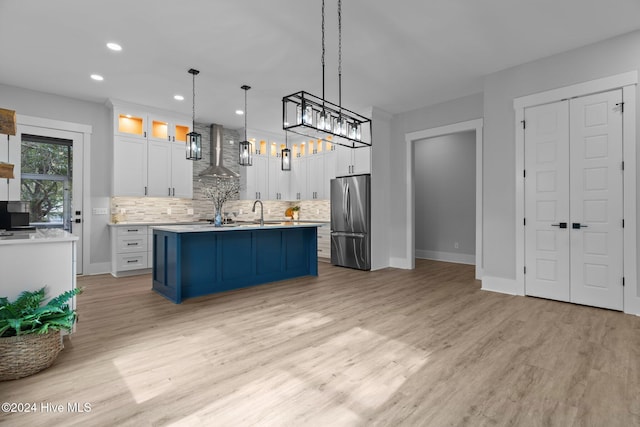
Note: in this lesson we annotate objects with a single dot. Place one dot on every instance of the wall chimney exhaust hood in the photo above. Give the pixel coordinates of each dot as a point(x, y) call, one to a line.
point(217, 168)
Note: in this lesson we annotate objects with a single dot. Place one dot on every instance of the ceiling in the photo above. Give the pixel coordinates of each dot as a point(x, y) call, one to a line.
point(397, 55)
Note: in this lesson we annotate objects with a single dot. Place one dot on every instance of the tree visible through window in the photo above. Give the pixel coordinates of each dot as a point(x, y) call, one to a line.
point(46, 180)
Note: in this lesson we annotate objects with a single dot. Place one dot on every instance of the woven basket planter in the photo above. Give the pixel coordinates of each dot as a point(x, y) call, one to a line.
point(25, 355)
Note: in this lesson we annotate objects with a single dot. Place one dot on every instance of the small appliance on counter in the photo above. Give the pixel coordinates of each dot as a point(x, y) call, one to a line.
point(351, 221)
point(14, 216)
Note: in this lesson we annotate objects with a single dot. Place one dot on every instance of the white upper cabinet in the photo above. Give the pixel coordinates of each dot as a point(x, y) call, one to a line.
point(254, 179)
point(129, 166)
point(150, 153)
point(278, 180)
point(353, 161)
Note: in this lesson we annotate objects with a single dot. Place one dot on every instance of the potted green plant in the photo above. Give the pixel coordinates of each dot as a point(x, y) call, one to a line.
point(296, 212)
point(30, 331)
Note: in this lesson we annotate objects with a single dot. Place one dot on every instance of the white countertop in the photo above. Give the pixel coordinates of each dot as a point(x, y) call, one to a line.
point(41, 235)
point(203, 228)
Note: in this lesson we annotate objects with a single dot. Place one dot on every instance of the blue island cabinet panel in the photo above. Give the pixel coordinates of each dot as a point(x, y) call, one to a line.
point(190, 264)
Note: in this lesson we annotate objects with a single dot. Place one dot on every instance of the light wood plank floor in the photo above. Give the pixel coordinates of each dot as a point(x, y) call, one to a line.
point(348, 348)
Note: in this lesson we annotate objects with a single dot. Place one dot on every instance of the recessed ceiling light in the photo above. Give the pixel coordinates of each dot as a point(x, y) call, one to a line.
point(97, 77)
point(114, 46)
point(178, 97)
point(239, 112)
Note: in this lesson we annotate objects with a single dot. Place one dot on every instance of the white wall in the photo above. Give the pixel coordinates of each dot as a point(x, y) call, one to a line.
point(445, 192)
point(44, 105)
point(381, 207)
point(455, 111)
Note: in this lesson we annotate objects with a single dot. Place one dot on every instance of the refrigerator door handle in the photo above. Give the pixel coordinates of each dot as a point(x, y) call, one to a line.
point(356, 235)
point(348, 213)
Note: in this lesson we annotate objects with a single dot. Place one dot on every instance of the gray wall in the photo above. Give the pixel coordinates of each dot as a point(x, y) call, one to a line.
point(39, 104)
point(455, 111)
point(495, 105)
point(445, 192)
point(613, 56)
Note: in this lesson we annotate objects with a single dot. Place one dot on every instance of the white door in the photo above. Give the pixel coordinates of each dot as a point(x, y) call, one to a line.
point(547, 201)
point(573, 201)
point(596, 200)
point(74, 223)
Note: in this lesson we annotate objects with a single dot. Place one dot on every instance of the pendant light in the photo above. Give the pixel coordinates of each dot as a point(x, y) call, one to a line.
point(194, 139)
point(309, 115)
point(285, 156)
point(244, 148)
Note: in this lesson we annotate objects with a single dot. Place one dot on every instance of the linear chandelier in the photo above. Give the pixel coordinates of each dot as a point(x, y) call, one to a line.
point(310, 115)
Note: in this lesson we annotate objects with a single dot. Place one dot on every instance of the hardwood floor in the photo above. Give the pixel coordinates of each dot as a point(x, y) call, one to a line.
point(348, 348)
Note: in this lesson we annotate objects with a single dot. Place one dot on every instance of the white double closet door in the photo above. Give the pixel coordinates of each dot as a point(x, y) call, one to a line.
point(574, 200)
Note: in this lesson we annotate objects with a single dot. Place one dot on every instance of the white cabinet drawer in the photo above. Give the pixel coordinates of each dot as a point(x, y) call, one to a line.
point(126, 244)
point(132, 230)
point(132, 261)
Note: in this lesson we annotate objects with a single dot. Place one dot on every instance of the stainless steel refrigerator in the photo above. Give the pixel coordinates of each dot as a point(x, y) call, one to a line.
point(351, 221)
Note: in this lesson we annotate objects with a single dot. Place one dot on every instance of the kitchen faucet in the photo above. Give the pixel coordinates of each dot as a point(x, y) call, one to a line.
point(261, 211)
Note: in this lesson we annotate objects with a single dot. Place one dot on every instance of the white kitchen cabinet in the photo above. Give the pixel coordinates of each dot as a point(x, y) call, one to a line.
point(324, 242)
point(181, 171)
point(278, 180)
point(315, 177)
point(353, 161)
point(159, 168)
point(299, 178)
point(130, 122)
point(255, 179)
point(129, 250)
point(330, 168)
point(129, 166)
point(149, 154)
point(169, 173)
point(10, 188)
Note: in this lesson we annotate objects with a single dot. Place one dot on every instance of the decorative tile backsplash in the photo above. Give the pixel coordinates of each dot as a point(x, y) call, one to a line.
point(164, 209)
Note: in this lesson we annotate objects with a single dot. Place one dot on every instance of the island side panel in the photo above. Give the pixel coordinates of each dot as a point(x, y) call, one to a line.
point(165, 273)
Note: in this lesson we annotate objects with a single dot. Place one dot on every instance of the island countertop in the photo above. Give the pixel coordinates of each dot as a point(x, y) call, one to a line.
point(268, 225)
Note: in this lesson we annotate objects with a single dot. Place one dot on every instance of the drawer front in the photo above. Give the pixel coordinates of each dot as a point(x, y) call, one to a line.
point(132, 261)
point(133, 230)
point(133, 243)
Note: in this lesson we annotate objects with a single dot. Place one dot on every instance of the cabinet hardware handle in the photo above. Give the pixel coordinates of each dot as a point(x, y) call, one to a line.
point(132, 230)
point(145, 134)
point(145, 190)
point(132, 244)
point(561, 225)
point(577, 225)
point(132, 260)
point(174, 191)
point(169, 191)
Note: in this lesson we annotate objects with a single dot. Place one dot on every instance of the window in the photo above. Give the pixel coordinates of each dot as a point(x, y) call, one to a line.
point(46, 180)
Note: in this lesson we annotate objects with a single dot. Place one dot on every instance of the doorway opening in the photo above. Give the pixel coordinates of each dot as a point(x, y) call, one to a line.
point(411, 138)
point(445, 181)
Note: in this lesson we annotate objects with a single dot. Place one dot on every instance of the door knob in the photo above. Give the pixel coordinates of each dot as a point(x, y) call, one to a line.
point(560, 224)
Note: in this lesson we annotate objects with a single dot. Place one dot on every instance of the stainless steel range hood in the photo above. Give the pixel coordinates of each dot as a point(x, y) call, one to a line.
point(217, 168)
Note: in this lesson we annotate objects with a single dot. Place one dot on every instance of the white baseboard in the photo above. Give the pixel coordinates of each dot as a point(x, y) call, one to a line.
point(97, 268)
point(446, 256)
point(501, 285)
point(403, 263)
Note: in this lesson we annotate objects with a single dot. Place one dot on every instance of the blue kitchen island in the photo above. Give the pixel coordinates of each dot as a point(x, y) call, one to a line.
point(196, 260)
